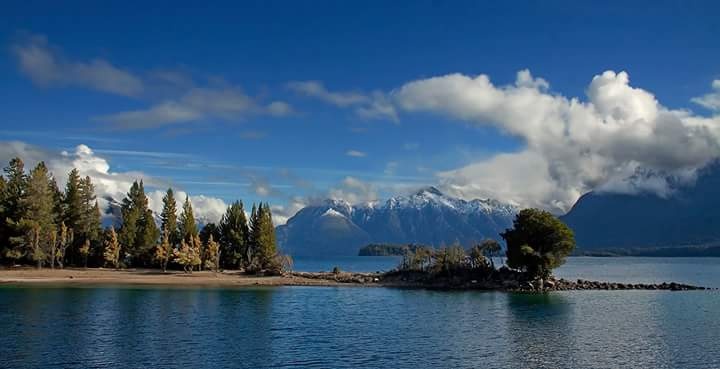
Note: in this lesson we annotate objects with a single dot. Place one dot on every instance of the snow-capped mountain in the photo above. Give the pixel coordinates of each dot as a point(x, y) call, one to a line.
point(335, 227)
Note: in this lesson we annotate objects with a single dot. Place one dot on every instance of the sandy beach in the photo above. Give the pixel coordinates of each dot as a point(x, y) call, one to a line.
point(101, 276)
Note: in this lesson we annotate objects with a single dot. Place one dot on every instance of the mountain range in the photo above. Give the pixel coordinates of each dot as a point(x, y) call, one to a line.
point(689, 215)
point(337, 228)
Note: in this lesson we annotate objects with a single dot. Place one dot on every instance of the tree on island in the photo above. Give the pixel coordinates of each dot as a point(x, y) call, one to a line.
point(483, 253)
point(538, 243)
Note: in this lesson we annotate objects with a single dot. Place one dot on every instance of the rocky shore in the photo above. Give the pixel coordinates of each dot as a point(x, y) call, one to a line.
point(511, 282)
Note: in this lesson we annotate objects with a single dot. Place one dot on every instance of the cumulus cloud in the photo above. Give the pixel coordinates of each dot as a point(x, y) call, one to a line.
point(47, 67)
point(711, 101)
point(198, 103)
point(369, 106)
point(108, 184)
point(621, 139)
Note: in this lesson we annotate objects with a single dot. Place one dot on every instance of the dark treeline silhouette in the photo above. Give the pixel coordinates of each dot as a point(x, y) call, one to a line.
point(42, 225)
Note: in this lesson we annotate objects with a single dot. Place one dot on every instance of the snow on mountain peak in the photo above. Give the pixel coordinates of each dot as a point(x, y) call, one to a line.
point(333, 213)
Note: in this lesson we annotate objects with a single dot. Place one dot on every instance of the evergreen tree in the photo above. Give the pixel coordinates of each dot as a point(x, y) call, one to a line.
point(169, 218)
point(72, 211)
point(11, 209)
point(111, 253)
point(138, 233)
point(130, 215)
point(262, 239)
point(266, 246)
point(38, 220)
point(234, 237)
point(253, 238)
point(148, 236)
point(209, 230)
point(90, 216)
point(188, 228)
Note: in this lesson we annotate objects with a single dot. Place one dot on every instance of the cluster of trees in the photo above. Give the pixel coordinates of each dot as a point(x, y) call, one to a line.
point(451, 260)
point(235, 243)
point(537, 243)
point(42, 225)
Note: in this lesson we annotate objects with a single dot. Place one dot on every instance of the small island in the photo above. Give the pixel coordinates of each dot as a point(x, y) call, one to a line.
point(387, 249)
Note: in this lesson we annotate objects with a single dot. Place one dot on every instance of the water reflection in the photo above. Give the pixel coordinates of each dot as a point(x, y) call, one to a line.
point(539, 330)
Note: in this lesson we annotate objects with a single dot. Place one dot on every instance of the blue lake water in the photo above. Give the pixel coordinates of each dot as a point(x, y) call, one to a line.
point(110, 327)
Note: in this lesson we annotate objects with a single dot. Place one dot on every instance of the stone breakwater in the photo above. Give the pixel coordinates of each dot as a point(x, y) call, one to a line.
point(511, 283)
point(553, 284)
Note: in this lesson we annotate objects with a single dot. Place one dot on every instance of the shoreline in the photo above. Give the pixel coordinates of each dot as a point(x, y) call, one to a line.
point(26, 276)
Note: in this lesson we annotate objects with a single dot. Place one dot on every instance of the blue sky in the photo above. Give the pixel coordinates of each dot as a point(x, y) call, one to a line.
point(286, 101)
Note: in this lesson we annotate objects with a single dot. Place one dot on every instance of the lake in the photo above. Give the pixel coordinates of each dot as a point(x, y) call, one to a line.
point(360, 327)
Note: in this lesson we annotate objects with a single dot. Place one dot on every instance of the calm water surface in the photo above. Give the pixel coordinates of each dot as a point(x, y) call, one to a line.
point(44, 327)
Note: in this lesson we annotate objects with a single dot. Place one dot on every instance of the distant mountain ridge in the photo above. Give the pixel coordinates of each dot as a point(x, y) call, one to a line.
point(689, 216)
point(335, 227)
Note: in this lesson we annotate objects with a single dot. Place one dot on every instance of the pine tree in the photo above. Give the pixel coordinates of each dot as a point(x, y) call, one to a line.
point(234, 237)
point(212, 257)
point(72, 212)
point(266, 248)
point(111, 253)
point(169, 217)
point(37, 221)
point(138, 234)
point(11, 209)
point(188, 228)
point(148, 237)
point(90, 218)
point(253, 238)
point(209, 230)
point(130, 216)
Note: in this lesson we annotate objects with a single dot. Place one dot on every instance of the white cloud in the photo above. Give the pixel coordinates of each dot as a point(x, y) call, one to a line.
point(317, 90)
point(48, 67)
point(373, 106)
point(622, 139)
point(354, 191)
point(711, 100)
point(198, 103)
point(281, 213)
point(356, 153)
point(108, 184)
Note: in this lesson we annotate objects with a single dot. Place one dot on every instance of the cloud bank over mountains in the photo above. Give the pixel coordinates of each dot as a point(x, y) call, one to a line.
point(619, 138)
point(622, 139)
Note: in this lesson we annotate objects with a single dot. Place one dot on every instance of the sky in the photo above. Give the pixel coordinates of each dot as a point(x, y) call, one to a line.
point(528, 102)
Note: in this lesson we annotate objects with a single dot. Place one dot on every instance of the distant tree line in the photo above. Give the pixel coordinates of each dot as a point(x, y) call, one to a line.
point(44, 226)
point(384, 249)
